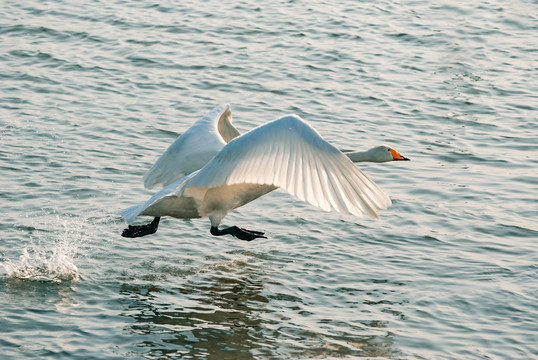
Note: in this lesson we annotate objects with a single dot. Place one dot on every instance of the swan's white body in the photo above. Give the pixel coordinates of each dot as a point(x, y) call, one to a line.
point(286, 153)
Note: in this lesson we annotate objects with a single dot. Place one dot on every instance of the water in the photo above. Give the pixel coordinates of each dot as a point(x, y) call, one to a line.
point(92, 92)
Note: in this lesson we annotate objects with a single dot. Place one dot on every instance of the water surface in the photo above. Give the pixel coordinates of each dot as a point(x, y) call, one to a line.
point(92, 93)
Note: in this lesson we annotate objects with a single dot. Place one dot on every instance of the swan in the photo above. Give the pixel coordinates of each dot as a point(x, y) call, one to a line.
point(203, 140)
point(236, 169)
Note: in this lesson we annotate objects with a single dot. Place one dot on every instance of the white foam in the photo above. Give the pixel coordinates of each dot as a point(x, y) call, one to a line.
point(49, 256)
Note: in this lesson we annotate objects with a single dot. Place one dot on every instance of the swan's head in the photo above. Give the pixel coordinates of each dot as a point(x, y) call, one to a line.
point(384, 153)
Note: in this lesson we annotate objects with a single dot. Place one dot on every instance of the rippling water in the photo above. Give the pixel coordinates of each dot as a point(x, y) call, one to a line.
point(93, 92)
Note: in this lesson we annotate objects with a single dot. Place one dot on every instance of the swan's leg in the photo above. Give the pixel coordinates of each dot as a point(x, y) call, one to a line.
point(134, 231)
point(238, 232)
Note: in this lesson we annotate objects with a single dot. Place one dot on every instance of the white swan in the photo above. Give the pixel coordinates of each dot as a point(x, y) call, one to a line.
point(286, 153)
point(203, 140)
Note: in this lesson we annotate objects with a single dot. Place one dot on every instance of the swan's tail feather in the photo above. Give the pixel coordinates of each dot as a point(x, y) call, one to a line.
point(132, 212)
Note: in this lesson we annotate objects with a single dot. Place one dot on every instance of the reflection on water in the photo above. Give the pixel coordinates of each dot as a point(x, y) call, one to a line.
point(215, 313)
point(38, 293)
point(224, 311)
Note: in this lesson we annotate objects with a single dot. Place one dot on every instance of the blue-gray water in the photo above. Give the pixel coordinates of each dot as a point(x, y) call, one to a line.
point(92, 92)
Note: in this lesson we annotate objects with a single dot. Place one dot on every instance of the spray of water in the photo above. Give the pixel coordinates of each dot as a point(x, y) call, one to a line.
point(49, 256)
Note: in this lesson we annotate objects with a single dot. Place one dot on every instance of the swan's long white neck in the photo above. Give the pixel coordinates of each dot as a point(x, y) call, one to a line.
point(360, 156)
point(381, 153)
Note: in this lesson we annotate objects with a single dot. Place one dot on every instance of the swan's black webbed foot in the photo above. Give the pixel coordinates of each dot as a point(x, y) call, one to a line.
point(134, 231)
point(240, 233)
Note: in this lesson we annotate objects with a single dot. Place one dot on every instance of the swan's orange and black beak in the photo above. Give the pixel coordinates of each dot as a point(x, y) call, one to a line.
point(397, 156)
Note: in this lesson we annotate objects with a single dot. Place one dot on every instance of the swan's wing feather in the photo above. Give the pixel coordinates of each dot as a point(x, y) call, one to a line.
point(189, 152)
point(290, 154)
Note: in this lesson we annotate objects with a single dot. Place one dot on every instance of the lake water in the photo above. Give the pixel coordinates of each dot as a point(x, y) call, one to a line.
point(92, 92)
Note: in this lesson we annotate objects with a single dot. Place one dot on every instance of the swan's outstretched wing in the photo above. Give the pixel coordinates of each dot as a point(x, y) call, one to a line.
point(191, 150)
point(290, 154)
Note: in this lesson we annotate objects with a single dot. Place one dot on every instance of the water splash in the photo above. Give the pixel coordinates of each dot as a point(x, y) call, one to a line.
point(50, 256)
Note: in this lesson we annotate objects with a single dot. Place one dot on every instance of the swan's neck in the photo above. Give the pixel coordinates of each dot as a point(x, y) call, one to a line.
point(362, 156)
